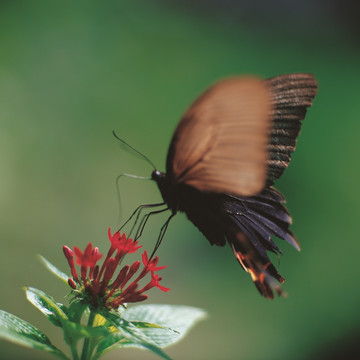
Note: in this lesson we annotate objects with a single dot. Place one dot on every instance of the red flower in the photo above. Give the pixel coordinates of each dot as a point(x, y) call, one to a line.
point(155, 279)
point(122, 244)
point(98, 283)
point(151, 265)
point(89, 257)
point(70, 258)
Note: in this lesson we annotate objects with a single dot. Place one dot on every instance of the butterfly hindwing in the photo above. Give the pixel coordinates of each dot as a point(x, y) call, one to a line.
point(247, 224)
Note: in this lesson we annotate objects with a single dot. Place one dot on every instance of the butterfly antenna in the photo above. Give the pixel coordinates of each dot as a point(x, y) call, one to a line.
point(137, 151)
point(118, 189)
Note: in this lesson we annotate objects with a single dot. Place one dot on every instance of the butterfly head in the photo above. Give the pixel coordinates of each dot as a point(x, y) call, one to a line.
point(166, 188)
point(157, 175)
point(161, 181)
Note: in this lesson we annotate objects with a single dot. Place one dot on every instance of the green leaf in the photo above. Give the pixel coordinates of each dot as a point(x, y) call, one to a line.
point(113, 341)
point(22, 333)
point(174, 321)
point(128, 335)
point(58, 273)
point(150, 326)
point(73, 331)
point(46, 305)
point(146, 325)
point(76, 310)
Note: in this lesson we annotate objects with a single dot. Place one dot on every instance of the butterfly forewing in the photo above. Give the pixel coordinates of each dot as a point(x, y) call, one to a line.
point(220, 144)
point(290, 96)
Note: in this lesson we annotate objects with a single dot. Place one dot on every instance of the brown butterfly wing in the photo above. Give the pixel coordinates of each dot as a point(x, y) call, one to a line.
point(220, 144)
point(241, 128)
point(291, 95)
point(240, 133)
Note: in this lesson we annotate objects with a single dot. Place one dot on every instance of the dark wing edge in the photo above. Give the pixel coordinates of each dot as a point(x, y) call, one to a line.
point(256, 219)
point(291, 95)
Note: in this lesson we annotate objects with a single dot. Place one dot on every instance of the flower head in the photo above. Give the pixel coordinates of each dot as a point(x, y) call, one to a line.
point(151, 265)
point(100, 284)
point(122, 244)
point(89, 257)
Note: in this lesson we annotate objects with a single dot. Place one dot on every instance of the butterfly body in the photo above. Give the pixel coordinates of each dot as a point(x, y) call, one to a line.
point(194, 203)
point(228, 149)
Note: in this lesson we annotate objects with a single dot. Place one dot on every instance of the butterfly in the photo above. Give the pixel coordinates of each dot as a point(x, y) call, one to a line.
point(229, 147)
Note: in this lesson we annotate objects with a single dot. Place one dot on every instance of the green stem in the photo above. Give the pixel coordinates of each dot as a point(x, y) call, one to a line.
point(74, 352)
point(84, 355)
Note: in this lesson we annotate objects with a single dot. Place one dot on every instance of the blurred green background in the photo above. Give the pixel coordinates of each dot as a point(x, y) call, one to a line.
point(71, 72)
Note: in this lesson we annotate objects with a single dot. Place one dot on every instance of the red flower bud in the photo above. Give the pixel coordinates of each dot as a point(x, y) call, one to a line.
point(72, 283)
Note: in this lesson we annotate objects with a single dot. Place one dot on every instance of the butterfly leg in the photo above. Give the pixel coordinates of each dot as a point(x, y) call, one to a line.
point(137, 212)
point(144, 220)
point(161, 235)
point(140, 208)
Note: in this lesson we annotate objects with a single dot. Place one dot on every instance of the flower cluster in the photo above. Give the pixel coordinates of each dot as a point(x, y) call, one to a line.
point(100, 285)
